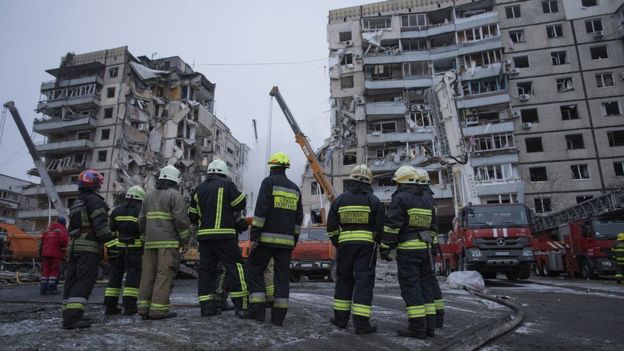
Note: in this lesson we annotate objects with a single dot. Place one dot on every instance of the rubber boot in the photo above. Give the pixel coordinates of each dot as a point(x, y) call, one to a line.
point(43, 287)
point(112, 310)
point(340, 319)
point(208, 308)
point(223, 304)
point(130, 305)
point(416, 328)
point(269, 303)
point(278, 315)
point(166, 316)
point(362, 325)
point(73, 319)
point(52, 290)
point(439, 319)
point(255, 311)
point(430, 321)
point(79, 324)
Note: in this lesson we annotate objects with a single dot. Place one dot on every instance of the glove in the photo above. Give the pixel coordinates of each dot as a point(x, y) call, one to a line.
point(385, 254)
point(241, 225)
point(113, 251)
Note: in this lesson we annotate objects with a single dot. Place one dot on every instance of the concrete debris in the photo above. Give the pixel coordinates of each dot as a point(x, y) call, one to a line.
point(146, 73)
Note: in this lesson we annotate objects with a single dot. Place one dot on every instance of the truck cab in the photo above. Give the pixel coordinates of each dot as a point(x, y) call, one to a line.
point(314, 256)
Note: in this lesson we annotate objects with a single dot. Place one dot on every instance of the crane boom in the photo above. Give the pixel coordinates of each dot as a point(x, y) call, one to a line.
point(43, 173)
point(315, 165)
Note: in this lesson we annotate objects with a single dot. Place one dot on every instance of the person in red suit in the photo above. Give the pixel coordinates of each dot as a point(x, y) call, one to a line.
point(54, 242)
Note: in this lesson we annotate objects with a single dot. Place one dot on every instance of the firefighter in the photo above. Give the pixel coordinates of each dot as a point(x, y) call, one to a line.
point(355, 225)
point(164, 221)
point(125, 252)
point(89, 230)
point(52, 248)
point(618, 253)
point(410, 215)
point(274, 233)
point(214, 207)
point(434, 248)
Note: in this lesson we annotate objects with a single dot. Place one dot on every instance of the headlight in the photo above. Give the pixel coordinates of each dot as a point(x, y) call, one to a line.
point(475, 253)
point(606, 263)
point(527, 252)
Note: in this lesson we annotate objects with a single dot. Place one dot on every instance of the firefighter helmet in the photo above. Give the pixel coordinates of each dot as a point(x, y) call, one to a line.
point(620, 236)
point(218, 167)
point(170, 173)
point(361, 173)
point(90, 179)
point(411, 175)
point(279, 159)
point(135, 192)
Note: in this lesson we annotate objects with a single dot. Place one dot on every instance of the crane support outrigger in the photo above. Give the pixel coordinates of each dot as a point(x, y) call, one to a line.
point(301, 139)
point(43, 173)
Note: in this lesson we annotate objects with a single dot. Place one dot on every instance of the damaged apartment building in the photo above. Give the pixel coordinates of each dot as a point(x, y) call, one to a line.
point(127, 117)
point(385, 58)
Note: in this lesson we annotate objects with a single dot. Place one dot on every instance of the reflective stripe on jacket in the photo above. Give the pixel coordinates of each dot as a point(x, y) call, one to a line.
point(124, 223)
point(164, 219)
point(88, 223)
point(411, 212)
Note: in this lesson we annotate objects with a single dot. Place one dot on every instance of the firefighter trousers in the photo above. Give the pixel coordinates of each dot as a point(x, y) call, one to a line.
point(437, 299)
point(129, 263)
point(414, 270)
point(223, 289)
point(80, 278)
point(50, 272)
point(257, 263)
point(355, 280)
point(226, 252)
point(159, 267)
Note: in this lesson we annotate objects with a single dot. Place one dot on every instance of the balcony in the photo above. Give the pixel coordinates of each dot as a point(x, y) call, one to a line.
point(424, 134)
point(508, 158)
point(67, 189)
point(57, 125)
point(489, 128)
point(476, 20)
point(509, 186)
point(485, 99)
point(386, 108)
point(388, 164)
point(61, 147)
point(483, 71)
point(419, 82)
point(89, 101)
point(384, 193)
point(64, 83)
point(36, 214)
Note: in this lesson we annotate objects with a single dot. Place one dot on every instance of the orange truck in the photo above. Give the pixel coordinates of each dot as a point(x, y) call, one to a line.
point(314, 256)
point(19, 251)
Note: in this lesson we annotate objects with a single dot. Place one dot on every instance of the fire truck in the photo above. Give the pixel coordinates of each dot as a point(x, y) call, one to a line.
point(578, 240)
point(488, 238)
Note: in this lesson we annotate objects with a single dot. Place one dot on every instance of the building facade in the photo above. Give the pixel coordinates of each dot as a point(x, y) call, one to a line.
point(127, 117)
point(10, 198)
point(385, 57)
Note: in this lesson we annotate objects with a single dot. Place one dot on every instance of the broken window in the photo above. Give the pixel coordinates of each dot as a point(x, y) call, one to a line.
point(580, 172)
point(83, 135)
point(349, 158)
point(347, 59)
point(105, 134)
point(413, 20)
point(346, 82)
point(525, 88)
point(344, 36)
point(102, 155)
point(604, 80)
point(473, 87)
point(517, 36)
point(434, 177)
point(315, 189)
point(554, 31)
point(559, 58)
point(593, 25)
point(420, 119)
point(376, 23)
point(416, 69)
point(599, 52)
point(513, 11)
point(589, 3)
point(618, 168)
point(538, 174)
point(569, 112)
point(574, 141)
point(79, 158)
point(108, 112)
point(550, 6)
point(382, 153)
point(229, 151)
point(529, 115)
point(534, 144)
point(488, 173)
point(110, 92)
point(611, 108)
point(113, 72)
point(481, 58)
point(564, 84)
point(616, 138)
point(542, 204)
point(414, 44)
point(521, 61)
point(477, 33)
point(385, 127)
point(583, 198)
point(497, 141)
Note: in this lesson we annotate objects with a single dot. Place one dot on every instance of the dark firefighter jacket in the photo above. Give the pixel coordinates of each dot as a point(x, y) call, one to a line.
point(278, 214)
point(356, 216)
point(88, 223)
point(213, 207)
point(124, 223)
point(411, 213)
point(618, 252)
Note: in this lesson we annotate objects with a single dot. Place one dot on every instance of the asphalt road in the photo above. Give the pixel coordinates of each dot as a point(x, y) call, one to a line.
point(563, 314)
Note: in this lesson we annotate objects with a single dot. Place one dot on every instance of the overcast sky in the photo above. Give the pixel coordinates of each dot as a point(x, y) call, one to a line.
point(35, 35)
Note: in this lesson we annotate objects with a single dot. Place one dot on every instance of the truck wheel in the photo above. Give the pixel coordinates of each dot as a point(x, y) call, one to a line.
point(585, 270)
point(524, 272)
point(295, 277)
point(512, 276)
point(537, 270)
point(331, 276)
point(489, 275)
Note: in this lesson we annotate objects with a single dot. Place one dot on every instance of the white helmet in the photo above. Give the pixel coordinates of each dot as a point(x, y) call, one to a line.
point(170, 173)
point(411, 175)
point(218, 167)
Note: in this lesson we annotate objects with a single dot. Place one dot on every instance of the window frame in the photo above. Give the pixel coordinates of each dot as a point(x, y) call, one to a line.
point(571, 143)
point(547, 4)
point(570, 108)
point(592, 22)
point(579, 171)
point(538, 180)
point(591, 53)
point(513, 12)
point(603, 78)
point(554, 29)
point(604, 108)
point(526, 145)
point(612, 137)
point(545, 204)
point(518, 39)
point(556, 55)
point(100, 153)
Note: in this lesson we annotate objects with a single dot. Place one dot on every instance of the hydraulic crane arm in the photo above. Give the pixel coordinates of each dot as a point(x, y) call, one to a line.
point(43, 173)
point(315, 165)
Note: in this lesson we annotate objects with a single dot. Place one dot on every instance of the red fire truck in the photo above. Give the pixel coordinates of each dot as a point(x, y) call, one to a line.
point(578, 240)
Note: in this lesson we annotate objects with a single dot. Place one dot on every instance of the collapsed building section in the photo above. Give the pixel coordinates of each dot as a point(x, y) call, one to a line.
point(127, 117)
